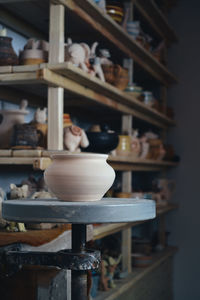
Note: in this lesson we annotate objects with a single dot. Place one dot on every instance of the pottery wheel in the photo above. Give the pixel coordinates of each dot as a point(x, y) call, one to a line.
point(107, 210)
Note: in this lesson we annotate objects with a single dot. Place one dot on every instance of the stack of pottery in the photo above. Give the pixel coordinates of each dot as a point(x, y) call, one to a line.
point(10, 118)
point(134, 90)
point(133, 29)
point(115, 9)
point(148, 98)
point(7, 54)
point(35, 52)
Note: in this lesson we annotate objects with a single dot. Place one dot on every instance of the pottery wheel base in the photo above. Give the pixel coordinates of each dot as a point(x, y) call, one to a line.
point(79, 259)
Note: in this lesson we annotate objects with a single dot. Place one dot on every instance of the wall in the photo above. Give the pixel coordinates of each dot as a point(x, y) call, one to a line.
point(184, 224)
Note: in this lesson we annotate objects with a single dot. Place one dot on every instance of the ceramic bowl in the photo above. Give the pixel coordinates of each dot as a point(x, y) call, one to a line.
point(79, 177)
point(102, 142)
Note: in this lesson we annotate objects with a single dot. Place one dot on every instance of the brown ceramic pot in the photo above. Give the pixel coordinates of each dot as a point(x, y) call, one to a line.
point(7, 54)
point(79, 177)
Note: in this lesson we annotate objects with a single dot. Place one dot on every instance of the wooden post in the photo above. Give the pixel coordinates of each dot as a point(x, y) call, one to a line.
point(56, 95)
point(126, 187)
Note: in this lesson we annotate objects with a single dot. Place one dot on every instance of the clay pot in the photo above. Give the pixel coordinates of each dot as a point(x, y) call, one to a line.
point(7, 54)
point(9, 118)
point(79, 177)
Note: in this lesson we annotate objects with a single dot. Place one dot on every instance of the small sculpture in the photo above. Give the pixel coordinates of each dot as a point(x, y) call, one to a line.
point(144, 147)
point(18, 192)
point(96, 62)
point(3, 222)
point(135, 144)
point(82, 56)
point(77, 54)
point(40, 123)
point(74, 137)
point(104, 55)
point(34, 52)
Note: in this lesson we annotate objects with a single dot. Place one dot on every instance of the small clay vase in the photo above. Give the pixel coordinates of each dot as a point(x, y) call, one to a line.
point(79, 177)
point(7, 53)
point(124, 146)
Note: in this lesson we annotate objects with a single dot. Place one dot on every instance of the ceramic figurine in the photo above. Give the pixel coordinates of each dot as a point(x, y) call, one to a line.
point(42, 195)
point(40, 123)
point(104, 55)
point(96, 62)
point(35, 52)
point(3, 222)
point(9, 119)
point(74, 138)
point(18, 192)
point(167, 188)
point(77, 54)
point(135, 144)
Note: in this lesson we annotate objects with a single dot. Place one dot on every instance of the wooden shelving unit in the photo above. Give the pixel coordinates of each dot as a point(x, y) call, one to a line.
point(137, 275)
point(108, 229)
point(156, 19)
point(46, 83)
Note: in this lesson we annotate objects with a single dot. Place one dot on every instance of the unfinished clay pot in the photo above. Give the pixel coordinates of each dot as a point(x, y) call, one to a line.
point(79, 177)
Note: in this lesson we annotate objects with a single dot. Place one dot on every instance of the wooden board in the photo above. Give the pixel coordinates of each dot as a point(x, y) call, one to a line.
point(32, 237)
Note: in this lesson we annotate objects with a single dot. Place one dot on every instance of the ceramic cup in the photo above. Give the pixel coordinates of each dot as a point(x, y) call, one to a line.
point(79, 177)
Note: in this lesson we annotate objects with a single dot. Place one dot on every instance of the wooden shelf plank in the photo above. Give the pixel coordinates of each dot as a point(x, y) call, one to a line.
point(108, 229)
point(126, 163)
point(76, 81)
point(138, 274)
point(156, 19)
point(104, 24)
point(41, 160)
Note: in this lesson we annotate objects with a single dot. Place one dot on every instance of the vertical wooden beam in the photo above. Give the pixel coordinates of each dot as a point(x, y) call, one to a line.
point(126, 187)
point(56, 95)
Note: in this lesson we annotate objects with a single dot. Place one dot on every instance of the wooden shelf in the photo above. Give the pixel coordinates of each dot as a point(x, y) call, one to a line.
point(96, 19)
point(108, 229)
point(138, 274)
point(41, 160)
point(156, 19)
point(104, 24)
point(83, 85)
point(124, 163)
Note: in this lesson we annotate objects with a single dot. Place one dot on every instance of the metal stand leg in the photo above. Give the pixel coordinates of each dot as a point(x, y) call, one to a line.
point(79, 278)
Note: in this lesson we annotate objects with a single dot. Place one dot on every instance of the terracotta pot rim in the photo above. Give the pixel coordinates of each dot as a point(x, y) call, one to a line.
point(79, 155)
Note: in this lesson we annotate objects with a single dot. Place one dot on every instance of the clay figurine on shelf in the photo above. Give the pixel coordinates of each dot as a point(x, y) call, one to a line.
point(167, 188)
point(144, 147)
point(34, 52)
point(40, 123)
point(135, 144)
point(9, 118)
point(74, 138)
point(77, 54)
point(104, 55)
point(3, 222)
point(96, 62)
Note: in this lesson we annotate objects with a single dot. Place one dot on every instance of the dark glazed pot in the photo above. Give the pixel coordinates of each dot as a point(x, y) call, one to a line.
point(7, 54)
point(102, 142)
